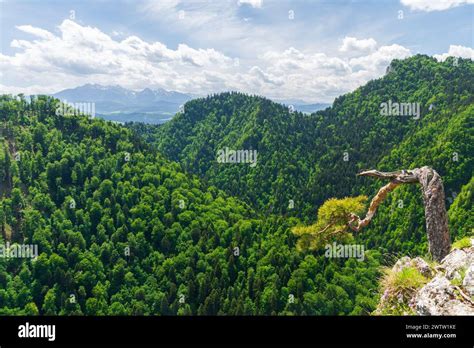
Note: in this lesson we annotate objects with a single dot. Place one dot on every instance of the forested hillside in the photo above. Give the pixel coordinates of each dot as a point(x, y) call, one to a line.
point(309, 159)
point(145, 220)
point(445, 141)
point(121, 230)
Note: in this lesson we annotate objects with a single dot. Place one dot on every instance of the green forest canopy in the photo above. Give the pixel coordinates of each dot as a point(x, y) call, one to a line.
point(123, 230)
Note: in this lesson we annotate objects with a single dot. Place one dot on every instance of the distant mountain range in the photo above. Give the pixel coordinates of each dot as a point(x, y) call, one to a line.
point(153, 106)
point(120, 104)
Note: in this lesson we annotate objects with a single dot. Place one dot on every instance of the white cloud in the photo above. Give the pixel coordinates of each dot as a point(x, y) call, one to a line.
point(41, 33)
point(317, 76)
point(358, 46)
point(456, 51)
point(82, 54)
point(253, 3)
point(32, 89)
point(434, 5)
point(379, 59)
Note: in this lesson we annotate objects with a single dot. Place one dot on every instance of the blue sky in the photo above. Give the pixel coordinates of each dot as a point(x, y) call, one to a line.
point(301, 50)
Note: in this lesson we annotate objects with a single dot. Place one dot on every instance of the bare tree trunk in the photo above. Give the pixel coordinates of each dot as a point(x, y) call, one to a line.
point(433, 199)
point(435, 212)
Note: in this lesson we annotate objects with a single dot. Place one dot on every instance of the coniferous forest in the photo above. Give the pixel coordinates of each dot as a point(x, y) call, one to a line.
point(142, 219)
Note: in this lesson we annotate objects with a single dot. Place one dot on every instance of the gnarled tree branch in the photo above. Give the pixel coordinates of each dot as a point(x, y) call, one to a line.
point(355, 223)
point(433, 199)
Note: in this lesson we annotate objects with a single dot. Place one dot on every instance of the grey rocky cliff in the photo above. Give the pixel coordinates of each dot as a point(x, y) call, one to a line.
point(450, 286)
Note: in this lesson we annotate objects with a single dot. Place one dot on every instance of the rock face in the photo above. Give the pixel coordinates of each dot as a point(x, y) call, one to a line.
point(456, 261)
point(468, 282)
point(450, 286)
point(440, 297)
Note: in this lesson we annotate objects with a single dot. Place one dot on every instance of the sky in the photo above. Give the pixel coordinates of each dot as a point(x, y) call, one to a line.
point(311, 51)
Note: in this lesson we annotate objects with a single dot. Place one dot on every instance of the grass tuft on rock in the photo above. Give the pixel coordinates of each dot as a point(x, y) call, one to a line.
point(398, 289)
point(462, 243)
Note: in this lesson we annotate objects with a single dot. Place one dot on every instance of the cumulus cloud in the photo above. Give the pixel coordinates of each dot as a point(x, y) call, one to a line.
point(317, 76)
point(456, 51)
point(434, 5)
point(86, 54)
point(379, 59)
point(253, 3)
point(356, 46)
point(41, 33)
point(80, 54)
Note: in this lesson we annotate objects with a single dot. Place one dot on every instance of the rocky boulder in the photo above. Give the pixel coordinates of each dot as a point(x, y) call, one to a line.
point(446, 288)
